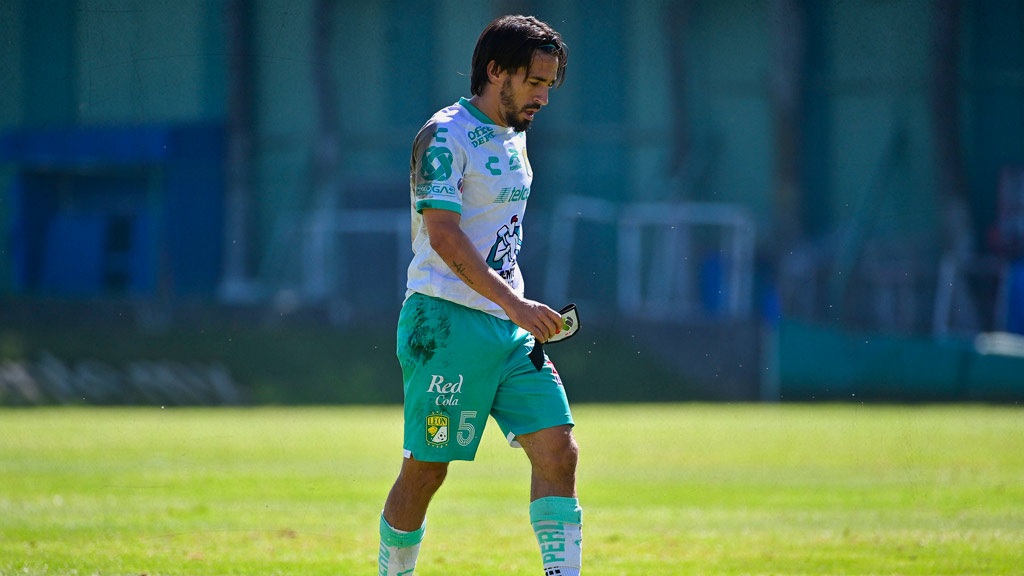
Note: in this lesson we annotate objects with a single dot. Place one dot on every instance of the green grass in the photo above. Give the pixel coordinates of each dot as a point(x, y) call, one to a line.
point(666, 490)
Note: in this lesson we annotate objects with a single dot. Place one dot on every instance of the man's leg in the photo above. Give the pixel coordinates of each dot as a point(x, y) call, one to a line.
point(554, 508)
point(403, 521)
point(553, 455)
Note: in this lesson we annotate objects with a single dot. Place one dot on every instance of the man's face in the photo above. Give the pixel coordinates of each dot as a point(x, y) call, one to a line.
point(522, 96)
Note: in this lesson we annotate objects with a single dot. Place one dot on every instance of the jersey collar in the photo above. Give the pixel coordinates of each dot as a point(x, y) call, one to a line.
point(465, 103)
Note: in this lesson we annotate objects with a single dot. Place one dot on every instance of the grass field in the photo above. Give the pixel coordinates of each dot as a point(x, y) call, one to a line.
point(666, 490)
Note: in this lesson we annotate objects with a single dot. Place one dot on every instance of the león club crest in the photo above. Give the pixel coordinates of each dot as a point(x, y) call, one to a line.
point(437, 430)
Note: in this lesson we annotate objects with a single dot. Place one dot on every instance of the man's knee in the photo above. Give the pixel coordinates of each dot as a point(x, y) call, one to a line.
point(423, 477)
point(568, 455)
point(557, 455)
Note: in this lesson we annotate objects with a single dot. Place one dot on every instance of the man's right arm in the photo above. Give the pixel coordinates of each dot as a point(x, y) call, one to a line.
point(450, 243)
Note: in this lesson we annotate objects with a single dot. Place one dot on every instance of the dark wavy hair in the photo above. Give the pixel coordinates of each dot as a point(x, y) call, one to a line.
point(510, 41)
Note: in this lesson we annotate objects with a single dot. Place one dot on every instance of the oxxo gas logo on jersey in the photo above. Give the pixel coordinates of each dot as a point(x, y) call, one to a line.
point(446, 391)
point(428, 189)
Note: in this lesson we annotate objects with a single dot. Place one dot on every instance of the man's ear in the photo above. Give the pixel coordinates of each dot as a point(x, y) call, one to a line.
point(494, 72)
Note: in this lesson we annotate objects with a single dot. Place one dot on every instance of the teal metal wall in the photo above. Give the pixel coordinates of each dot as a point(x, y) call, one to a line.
point(608, 132)
point(993, 88)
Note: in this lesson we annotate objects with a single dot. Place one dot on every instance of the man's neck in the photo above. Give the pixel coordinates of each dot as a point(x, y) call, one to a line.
point(489, 106)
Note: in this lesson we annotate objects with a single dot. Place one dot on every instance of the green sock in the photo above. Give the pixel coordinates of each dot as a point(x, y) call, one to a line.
point(398, 549)
point(557, 523)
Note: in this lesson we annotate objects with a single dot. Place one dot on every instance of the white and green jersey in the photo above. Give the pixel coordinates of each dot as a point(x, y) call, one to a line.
point(462, 161)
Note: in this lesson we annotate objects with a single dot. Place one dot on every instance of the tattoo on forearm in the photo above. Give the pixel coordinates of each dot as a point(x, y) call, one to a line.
point(460, 269)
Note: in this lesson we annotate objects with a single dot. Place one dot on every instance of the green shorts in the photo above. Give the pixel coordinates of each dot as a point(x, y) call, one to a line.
point(460, 365)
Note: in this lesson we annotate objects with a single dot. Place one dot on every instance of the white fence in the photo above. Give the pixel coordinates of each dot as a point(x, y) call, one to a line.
point(658, 258)
point(661, 252)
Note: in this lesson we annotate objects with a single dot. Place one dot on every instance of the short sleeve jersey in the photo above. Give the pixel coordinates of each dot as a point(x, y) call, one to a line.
point(463, 162)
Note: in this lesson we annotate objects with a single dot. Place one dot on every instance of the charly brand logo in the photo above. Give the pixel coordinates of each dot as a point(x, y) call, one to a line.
point(437, 429)
point(437, 163)
point(446, 391)
point(491, 161)
point(481, 135)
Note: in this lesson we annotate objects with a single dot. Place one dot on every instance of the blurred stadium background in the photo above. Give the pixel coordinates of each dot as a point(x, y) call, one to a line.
point(206, 202)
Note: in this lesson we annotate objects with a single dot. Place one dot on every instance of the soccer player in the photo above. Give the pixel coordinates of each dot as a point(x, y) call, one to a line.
point(465, 329)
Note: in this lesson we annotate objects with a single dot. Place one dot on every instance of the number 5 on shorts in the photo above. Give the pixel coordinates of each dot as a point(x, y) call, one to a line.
point(466, 426)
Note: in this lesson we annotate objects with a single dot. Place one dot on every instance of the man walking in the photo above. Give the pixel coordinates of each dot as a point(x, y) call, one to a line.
point(466, 329)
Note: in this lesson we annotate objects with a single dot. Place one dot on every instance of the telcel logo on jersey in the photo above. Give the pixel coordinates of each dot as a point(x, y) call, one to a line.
point(512, 194)
point(446, 390)
point(437, 429)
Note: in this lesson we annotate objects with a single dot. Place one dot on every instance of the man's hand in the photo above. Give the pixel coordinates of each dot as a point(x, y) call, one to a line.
point(535, 318)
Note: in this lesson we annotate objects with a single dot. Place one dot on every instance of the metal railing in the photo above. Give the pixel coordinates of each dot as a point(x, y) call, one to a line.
point(659, 260)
